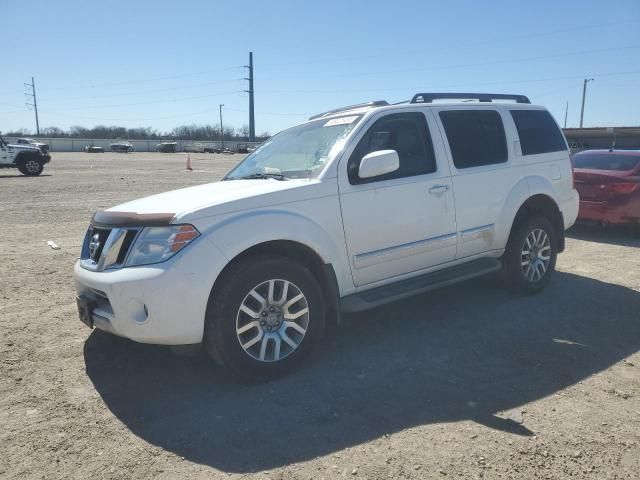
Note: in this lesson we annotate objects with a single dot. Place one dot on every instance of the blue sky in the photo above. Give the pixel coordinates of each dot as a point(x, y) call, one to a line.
point(162, 64)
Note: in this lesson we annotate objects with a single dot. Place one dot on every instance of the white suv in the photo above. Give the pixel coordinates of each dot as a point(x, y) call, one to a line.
point(355, 208)
point(28, 158)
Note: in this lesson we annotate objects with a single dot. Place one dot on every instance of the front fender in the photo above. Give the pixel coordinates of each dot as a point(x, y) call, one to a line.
point(320, 230)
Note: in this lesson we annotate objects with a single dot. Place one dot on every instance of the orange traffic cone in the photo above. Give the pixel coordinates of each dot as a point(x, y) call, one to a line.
point(189, 163)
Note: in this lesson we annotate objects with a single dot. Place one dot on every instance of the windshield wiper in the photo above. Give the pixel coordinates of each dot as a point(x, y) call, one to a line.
point(261, 176)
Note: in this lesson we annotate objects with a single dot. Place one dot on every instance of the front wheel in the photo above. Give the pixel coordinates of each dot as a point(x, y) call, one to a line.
point(530, 257)
point(266, 316)
point(31, 167)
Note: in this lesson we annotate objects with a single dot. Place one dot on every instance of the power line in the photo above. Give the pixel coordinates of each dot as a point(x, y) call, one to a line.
point(449, 85)
point(460, 65)
point(301, 114)
point(277, 114)
point(397, 53)
point(154, 102)
point(143, 92)
point(147, 119)
point(349, 59)
point(546, 94)
point(145, 80)
point(250, 91)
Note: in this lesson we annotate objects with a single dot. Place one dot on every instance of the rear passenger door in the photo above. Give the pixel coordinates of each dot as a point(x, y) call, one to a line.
point(404, 221)
point(482, 171)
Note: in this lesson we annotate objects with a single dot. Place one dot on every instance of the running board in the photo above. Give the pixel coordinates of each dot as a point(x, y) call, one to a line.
point(358, 302)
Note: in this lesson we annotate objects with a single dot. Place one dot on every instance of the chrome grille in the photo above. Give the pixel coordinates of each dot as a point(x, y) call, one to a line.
point(106, 248)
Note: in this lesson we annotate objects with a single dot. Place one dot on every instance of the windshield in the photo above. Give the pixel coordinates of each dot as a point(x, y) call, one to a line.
point(299, 152)
point(607, 161)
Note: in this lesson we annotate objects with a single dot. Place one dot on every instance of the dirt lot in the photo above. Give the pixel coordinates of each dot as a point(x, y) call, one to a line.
point(467, 382)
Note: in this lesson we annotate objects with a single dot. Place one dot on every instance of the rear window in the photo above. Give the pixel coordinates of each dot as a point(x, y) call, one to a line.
point(538, 132)
point(476, 137)
point(610, 161)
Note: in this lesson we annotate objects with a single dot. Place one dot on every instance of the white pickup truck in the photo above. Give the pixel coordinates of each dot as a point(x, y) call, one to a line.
point(355, 208)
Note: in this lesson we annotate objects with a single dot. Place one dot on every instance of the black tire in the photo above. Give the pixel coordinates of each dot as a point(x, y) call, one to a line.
point(517, 275)
point(221, 340)
point(31, 166)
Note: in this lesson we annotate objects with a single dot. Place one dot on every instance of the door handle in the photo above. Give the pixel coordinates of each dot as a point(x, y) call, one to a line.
point(436, 189)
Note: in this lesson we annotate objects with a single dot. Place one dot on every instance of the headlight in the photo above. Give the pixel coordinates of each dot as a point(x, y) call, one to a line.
point(157, 244)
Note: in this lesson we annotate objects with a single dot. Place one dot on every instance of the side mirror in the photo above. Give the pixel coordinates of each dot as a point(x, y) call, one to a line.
point(378, 163)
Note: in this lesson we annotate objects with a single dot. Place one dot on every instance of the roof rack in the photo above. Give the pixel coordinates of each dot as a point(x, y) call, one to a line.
point(482, 97)
point(377, 103)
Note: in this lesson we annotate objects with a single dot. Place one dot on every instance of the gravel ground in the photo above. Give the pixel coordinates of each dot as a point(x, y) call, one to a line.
point(466, 382)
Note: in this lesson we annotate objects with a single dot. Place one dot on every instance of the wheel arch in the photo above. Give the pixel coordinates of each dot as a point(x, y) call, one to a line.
point(23, 156)
point(323, 272)
point(541, 204)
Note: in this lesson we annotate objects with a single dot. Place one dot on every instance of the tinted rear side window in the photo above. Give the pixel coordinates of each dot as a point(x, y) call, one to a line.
point(476, 137)
point(538, 132)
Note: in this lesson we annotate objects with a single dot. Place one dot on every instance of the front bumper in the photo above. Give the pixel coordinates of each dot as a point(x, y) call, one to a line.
point(46, 158)
point(163, 304)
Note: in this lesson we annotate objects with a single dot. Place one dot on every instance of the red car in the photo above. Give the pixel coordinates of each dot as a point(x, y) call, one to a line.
point(608, 182)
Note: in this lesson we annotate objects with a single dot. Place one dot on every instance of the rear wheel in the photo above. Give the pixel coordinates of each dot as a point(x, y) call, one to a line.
point(530, 257)
point(267, 315)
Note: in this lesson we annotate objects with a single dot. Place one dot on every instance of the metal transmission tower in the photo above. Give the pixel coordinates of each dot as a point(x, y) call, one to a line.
point(584, 94)
point(252, 122)
point(35, 102)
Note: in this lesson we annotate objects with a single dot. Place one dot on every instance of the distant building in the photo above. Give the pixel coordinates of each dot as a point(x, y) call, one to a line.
point(602, 137)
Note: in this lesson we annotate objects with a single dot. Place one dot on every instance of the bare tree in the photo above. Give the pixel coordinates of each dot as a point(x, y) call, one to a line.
point(243, 131)
point(53, 132)
point(186, 132)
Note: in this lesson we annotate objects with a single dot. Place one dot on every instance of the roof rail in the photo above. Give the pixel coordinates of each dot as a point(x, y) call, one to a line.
point(482, 97)
point(377, 103)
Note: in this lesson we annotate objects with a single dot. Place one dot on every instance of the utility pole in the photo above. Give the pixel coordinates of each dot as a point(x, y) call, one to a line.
point(35, 103)
point(584, 94)
point(252, 123)
point(221, 130)
point(566, 112)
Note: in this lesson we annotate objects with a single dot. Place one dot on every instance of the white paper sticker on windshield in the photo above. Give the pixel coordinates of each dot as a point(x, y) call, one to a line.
point(340, 121)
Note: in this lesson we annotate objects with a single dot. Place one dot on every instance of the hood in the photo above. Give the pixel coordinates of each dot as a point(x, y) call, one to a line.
point(24, 147)
point(217, 198)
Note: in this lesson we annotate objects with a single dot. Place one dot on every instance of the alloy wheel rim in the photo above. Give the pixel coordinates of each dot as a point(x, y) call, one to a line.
point(535, 255)
point(32, 166)
point(272, 320)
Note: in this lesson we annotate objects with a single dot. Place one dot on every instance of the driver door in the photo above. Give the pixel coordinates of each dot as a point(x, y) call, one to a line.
point(404, 221)
point(5, 156)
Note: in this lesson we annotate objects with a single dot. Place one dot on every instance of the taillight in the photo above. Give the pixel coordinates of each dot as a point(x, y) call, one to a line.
point(623, 188)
